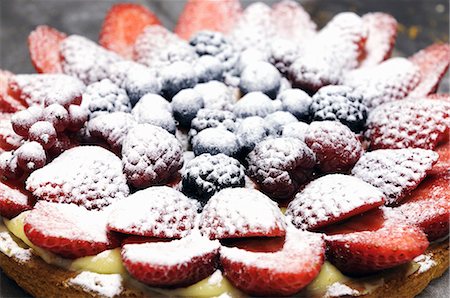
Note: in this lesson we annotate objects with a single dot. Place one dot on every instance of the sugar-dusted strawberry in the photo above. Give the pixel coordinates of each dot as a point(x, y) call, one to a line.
point(443, 163)
point(280, 273)
point(177, 263)
point(396, 172)
point(68, 230)
point(330, 199)
point(241, 212)
point(440, 96)
point(14, 200)
point(382, 32)
point(412, 123)
point(8, 104)
point(43, 44)
point(199, 15)
point(122, 25)
point(433, 63)
point(158, 211)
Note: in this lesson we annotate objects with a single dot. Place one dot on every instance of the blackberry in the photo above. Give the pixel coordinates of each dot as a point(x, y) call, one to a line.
point(297, 102)
point(207, 118)
point(206, 174)
point(254, 104)
point(260, 76)
point(276, 121)
point(251, 131)
point(105, 97)
point(185, 106)
point(339, 103)
point(214, 141)
point(155, 110)
point(208, 68)
point(177, 76)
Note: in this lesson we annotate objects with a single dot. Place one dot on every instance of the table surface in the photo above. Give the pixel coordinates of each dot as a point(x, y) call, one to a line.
point(421, 22)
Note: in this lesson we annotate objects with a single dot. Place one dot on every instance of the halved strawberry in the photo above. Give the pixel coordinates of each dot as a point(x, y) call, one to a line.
point(68, 230)
point(443, 163)
point(433, 63)
point(330, 199)
point(122, 25)
point(241, 212)
point(280, 273)
point(158, 211)
point(380, 41)
point(8, 104)
point(14, 200)
point(199, 15)
point(43, 44)
point(176, 263)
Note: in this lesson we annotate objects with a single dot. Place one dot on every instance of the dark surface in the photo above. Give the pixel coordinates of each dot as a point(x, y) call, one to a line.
point(422, 22)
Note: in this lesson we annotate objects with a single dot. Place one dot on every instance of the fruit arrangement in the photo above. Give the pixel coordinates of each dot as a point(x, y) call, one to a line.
point(178, 148)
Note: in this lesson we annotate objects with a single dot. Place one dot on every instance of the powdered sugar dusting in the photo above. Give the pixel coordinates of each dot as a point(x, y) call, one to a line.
point(9, 140)
point(10, 248)
point(426, 262)
point(108, 285)
point(338, 290)
point(215, 278)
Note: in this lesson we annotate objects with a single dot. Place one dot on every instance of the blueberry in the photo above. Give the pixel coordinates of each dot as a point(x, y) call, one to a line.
point(260, 76)
point(177, 76)
point(208, 68)
point(296, 102)
point(277, 120)
point(185, 105)
point(251, 131)
point(214, 141)
point(254, 104)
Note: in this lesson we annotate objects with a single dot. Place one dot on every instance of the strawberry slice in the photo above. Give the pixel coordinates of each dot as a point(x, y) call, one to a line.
point(43, 44)
point(412, 123)
point(122, 25)
point(280, 273)
point(433, 63)
point(7, 103)
point(241, 212)
point(199, 15)
point(68, 230)
point(158, 211)
point(372, 242)
point(443, 163)
point(14, 200)
point(330, 199)
point(380, 41)
point(177, 263)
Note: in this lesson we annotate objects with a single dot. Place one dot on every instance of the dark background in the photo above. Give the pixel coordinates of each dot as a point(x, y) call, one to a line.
point(421, 22)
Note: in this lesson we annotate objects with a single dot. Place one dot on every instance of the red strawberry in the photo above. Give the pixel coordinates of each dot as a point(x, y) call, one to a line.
point(122, 25)
point(414, 123)
point(201, 15)
point(8, 104)
point(281, 273)
point(43, 44)
point(14, 200)
point(68, 230)
point(440, 96)
point(176, 263)
point(241, 212)
point(433, 63)
point(382, 32)
point(396, 172)
point(443, 163)
point(330, 199)
point(158, 211)
point(370, 242)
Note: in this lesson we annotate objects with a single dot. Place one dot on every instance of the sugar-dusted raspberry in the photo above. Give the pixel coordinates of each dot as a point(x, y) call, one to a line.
point(154, 109)
point(78, 116)
point(207, 174)
point(9, 140)
point(280, 166)
point(396, 172)
point(177, 76)
point(31, 156)
point(185, 106)
point(251, 131)
point(283, 53)
point(23, 120)
point(207, 118)
point(105, 97)
point(111, 128)
point(57, 115)
point(297, 102)
point(89, 176)
point(277, 120)
point(216, 95)
point(208, 68)
point(216, 140)
point(340, 103)
point(44, 133)
point(63, 143)
point(254, 104)
point(9, 167)
point(241, 212)
point(260, 76)
point(157, 211)
point(150, 155)
point(330, 199)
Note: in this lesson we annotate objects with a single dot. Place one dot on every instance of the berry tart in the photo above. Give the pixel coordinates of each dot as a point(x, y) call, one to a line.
point(247, 153)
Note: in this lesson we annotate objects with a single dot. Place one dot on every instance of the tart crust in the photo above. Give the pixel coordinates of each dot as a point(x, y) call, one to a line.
point(44, 280)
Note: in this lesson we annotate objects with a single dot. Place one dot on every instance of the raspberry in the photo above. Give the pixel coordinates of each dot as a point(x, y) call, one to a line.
point(9, 167)
point(241, 212)
point(216, 95)
point(207, 118)
point(44, 133)
point(105, 97)
point(23, 120)
point(214, 141)
point(279, 166)
point(277, 120)
point(262, 77)
point(208, 68)
point(9, 140)
point(283, 53)
point(154, 109)
point(150, 155)
point(206, 174)
point(77, 117)
point(297, 102)
point(31, 156)
point(185, 106)
point(254, 104)
point(250, 132)
point(336, 147)
point(57, 115)
point(339, 103)
point(295, 130)
point(177, 76)
point(63, 143)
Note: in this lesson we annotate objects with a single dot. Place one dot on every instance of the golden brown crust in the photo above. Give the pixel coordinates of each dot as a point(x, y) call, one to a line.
point(43, 280)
